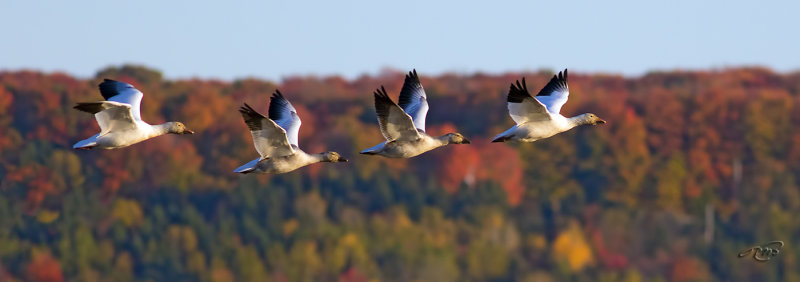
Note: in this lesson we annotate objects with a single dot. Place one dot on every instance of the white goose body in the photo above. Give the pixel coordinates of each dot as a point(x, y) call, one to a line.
point(536, 130)
point(275, 139)
point(403, 125)
point(406, 149)
point(114, 140)
point(141, 132)
point(538, 117)
point(119, 119)
point(282, 164)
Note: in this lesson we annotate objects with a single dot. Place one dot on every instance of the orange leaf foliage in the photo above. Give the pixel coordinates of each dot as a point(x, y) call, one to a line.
point(44, 268)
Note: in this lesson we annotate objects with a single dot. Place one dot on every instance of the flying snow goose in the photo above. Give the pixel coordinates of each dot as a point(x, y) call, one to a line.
point(538, 117)
point(403, 125)
point(275, 139)
point(120, 122)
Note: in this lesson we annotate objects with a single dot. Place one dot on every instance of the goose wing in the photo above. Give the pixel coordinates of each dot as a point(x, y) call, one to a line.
point(395, 124)
point(118, 91)
point(268, 137)
point(413, 100)
point(110, 115)
point(522, 107)
point(555, 93)
point(285, 115)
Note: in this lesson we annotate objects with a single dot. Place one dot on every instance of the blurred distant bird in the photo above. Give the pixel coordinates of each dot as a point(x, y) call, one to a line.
point(275, 139)
point(403, 125)
point(120, 122)
point(539, 117)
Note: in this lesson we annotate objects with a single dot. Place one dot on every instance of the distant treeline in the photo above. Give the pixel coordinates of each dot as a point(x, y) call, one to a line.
point(628, 200)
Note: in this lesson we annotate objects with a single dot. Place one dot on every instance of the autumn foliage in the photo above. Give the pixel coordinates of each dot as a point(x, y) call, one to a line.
point(628, 200)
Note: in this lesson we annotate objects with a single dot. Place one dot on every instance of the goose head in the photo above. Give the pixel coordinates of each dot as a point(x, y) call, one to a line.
point(176, 127)
point(456, 138)
point(332, 157)
point(592, 119)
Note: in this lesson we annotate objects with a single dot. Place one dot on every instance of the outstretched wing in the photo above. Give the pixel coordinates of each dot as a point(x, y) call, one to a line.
point(269, 138)
point(395, 124)
point(110, 115)
point(118, 91)
point(522, 107)
point(555, 93)
point(413, 100)
point(284, 114)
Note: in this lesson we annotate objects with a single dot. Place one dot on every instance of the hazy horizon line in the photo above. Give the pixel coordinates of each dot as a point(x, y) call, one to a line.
point(392, 70)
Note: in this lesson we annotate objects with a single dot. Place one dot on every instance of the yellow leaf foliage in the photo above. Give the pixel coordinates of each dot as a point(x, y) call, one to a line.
point(290, 226)
point(47, 216)
point(128, 212)
point(571, 247)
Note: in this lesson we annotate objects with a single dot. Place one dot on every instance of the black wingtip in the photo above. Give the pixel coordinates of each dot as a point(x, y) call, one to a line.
point(277, 94)
point(412, 74)
point(557, 84)
point(412, 90)
point(382, 100)
point(108, 88)
point(518, 92)
point(520, 86)
point(412, 77)
point(245, 108)
point(90, 107)
point(249, 111)
point(107, 81)
point(561, 76)
point(380, 92)
point(278, 105)
point(251, 117)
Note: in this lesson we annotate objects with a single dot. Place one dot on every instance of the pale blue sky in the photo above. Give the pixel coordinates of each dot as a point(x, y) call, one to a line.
point(272, 40)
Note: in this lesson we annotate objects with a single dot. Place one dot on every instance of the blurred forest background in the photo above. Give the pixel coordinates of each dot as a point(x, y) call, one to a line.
point(692, 168)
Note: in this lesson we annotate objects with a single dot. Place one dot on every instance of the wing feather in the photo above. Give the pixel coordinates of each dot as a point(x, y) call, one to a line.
point(118, 91)
point(555, 94)
point(395, 124)
point(268, 137)
point(110, 115)
point(285, 115)
point(413, 100)
point(522, 107)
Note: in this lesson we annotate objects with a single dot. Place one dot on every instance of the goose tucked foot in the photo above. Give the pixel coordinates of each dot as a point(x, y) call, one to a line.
point(501, 139)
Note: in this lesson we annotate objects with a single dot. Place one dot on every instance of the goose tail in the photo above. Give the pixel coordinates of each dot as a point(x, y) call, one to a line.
point(89, 143)
point(248, 167)
point(374, 150)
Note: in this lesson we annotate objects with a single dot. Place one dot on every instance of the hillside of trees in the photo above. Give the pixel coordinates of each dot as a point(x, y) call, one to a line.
point(691, 168)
